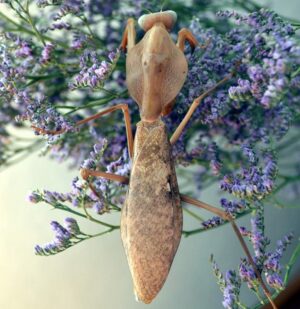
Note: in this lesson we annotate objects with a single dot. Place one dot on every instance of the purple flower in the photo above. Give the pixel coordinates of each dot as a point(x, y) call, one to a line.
point(213, 222)
point(65, 237)
point(75, 7)
point(94, 75)
point(231, 290)
point(60, 25)
point(24, 50)
point(275, 281)
point(47, 53)
point(72, 226)
point(34, 197)
point(252, 182)
point(233, 207)
point(98, 207)
point(247, 274)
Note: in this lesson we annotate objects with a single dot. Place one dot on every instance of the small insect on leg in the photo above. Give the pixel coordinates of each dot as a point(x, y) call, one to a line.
point(228, 217)
point(128, 39)
point(193, 107)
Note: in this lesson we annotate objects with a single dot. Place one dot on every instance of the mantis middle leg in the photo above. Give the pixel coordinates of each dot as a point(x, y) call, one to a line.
point(185, 35)
point(85, 173)
point(125, 110)
point(193, 107)
point(228, 217)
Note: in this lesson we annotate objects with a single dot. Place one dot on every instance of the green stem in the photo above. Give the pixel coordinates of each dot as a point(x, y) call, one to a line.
point(191, 213)
point(99, 102)
point(291, 263)
point(91, 218)
point(287, 181)
point(280, 204)
point(85, 22)
point(86, 215)
point(259, 297)
point(241, 305)
point(285, 145)
point(91, 104)
point(30, 21)
point(101, 233)
point(25, 30)
point(200, 230)
point(28, 150)
point(298, 70)
point(290, 178)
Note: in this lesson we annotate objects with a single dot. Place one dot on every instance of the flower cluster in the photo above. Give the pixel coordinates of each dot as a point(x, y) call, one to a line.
point(95, 75)
point(44, 117)
point(82, 195)
point(65, 237)
point(230, 285)
point(253, 182)
point(255, 106)
point(267, 263)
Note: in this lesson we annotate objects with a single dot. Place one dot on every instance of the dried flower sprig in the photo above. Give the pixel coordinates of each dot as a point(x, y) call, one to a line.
point(234, 138)
point(66, 236)
point(267, 263)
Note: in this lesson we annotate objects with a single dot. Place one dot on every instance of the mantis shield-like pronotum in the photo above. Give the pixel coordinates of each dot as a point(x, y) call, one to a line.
point(151, 219)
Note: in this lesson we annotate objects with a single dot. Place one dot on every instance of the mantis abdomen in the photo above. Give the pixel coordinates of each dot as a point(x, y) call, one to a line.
point(151, 221)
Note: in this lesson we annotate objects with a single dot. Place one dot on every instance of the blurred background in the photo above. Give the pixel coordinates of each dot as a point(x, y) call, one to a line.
point(95, 274)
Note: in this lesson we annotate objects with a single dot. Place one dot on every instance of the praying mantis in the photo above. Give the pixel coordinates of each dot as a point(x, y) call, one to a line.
point(151, 217)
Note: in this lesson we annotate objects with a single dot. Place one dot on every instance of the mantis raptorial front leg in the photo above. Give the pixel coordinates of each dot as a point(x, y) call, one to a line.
point(128, 39)
point(228, 217)
point(186, 35)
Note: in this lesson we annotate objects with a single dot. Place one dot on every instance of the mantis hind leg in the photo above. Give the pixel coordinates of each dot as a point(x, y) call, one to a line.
point(86, 173)
point(228, 217)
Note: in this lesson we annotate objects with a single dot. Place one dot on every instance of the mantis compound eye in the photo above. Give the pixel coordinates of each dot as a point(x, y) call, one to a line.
point(168, 18)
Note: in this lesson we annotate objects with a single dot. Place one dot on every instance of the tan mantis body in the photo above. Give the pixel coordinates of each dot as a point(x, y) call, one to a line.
point(152, 217)
point(151, 220)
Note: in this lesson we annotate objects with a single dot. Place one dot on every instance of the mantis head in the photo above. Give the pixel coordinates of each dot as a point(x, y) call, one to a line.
point(155, 67)
point(168, 18)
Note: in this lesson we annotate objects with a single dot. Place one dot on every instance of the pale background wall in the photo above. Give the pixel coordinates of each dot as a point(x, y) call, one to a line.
point(95, 274)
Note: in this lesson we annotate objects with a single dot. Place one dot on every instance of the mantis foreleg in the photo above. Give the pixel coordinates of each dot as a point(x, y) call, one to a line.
point(128, 39)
